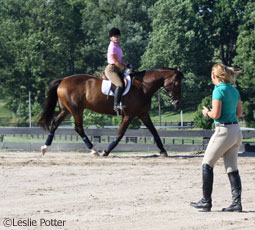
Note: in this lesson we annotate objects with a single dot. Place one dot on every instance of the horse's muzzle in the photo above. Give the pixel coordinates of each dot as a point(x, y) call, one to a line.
point(174, 102)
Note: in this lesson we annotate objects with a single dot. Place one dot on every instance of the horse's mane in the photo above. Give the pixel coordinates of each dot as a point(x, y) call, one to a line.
point(159, 69)
point(140, 74)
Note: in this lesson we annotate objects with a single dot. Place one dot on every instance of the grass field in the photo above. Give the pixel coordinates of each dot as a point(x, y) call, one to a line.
point(4, 112)
point(173, 116)
point(165, 116)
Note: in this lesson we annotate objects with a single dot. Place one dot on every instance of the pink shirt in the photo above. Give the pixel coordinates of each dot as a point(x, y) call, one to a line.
point(114, 48)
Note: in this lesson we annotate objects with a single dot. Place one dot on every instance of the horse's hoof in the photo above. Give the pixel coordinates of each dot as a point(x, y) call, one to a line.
point(94, 153)
point(44, 149)
point(163, 154)
point(105, 153)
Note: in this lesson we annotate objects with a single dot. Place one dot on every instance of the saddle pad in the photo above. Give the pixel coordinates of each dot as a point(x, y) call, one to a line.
point(106, 85)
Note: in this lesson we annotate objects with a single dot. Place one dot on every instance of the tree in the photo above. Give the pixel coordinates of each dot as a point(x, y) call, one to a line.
point(199, 120)
point(227, 16)
point(20, 61)
point(39, 40)
point(180, 38)
point(65, 18)
point(245, 58)
point(131, 17)
point(42, 40)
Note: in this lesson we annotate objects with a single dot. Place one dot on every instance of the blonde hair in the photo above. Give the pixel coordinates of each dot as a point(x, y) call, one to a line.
point(225, 73)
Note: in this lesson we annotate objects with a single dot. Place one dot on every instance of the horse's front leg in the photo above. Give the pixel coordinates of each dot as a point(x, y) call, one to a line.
point(148, 123)
point(122, 129)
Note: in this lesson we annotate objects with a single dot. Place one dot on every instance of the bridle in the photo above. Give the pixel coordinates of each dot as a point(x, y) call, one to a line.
point(171, 90)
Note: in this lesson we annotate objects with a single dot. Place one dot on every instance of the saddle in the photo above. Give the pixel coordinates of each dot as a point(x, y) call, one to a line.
point(108, 87)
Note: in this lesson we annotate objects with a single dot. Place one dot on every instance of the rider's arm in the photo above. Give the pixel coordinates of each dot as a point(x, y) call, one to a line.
point(117, 63)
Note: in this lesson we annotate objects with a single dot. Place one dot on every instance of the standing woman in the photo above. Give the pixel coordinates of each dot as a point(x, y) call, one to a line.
point(227, 138)
point(115, 67)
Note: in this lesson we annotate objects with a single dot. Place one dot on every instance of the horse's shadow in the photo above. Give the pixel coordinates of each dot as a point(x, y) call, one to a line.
point(244, 154)
point(243, 212)
point(156, 156)
point(169, 156)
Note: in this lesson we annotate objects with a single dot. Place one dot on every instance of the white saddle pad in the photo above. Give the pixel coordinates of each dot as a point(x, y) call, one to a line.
point(106, 85)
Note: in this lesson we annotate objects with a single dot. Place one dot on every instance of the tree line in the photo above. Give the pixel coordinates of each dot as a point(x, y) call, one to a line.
point(41, 40)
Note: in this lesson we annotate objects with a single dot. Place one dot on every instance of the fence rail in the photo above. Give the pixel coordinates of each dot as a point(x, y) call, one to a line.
point(6, 122)
point(134, 140)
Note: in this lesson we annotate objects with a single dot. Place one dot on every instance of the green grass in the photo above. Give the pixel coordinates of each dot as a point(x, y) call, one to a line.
point(173, 116)
point(77, 139)
point(4, 112)
point(40, 138)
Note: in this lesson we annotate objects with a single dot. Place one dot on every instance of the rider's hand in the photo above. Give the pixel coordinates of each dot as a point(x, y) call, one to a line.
point(130, 66)
point(128, 70)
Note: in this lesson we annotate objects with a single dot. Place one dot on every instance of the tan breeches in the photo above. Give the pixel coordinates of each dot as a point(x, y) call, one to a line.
point(112, 72)
point(225, 142)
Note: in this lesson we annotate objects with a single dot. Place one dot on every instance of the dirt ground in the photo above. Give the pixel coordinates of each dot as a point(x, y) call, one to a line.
point(124, 191)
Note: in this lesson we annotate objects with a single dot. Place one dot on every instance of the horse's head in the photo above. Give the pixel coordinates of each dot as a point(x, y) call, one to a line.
point(172, 84)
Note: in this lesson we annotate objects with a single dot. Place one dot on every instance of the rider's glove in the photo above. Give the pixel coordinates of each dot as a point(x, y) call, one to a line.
point(128, 70)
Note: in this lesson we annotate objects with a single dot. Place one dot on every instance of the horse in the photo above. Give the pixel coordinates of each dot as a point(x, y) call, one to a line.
point(82, 91)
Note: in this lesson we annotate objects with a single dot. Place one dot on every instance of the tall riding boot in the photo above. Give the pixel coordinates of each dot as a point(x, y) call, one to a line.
point(206, 202)
point(236, 189)
point(117, 98)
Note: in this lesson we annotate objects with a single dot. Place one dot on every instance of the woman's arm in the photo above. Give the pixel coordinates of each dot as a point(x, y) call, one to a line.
point(215, 112)
point(116, 62)
point(239, 109)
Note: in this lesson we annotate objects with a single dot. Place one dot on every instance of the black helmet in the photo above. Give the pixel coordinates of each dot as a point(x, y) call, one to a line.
point(114, 32)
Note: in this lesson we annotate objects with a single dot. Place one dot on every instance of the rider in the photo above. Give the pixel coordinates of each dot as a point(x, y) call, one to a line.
point(115, 67)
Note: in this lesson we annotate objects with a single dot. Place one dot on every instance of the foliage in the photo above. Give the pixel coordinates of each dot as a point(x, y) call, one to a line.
point(249, 112)
point(199, 120)
point(91, 118)
point(222, 19)
point(135, 124)
point(38, 38)
point(179, 38)
point(129, 16)
point(245, 58)
point(42, 40)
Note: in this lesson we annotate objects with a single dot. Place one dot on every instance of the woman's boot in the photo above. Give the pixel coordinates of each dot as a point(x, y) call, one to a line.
point(117, 99)
point(206, 202)
point(236, 189)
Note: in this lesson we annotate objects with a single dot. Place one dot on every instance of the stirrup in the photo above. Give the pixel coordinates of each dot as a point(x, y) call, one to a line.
point(119, 107)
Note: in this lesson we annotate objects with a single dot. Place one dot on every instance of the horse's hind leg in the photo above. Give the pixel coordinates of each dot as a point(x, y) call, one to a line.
point(123, 127)
point(148, 123)
point(54, 125)
point(79, 129)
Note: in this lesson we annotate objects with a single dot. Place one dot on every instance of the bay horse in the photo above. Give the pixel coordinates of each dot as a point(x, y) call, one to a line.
point(82, 91)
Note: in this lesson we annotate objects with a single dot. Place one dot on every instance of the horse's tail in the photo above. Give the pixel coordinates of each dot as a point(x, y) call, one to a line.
point(49, 105)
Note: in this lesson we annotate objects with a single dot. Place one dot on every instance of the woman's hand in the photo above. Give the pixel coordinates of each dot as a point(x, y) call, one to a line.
point(215, 112)
point(205, 111)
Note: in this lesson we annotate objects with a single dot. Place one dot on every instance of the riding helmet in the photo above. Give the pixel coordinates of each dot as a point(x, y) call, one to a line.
point(114, 32)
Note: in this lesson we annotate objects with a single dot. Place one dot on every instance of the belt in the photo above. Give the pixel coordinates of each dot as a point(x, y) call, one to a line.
point(221, 124)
